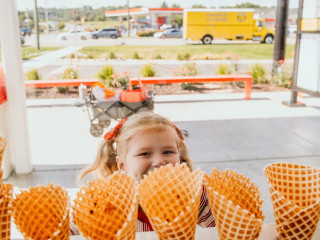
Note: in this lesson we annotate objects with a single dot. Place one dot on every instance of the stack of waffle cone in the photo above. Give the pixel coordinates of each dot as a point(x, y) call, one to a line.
point(170, 197)
point(42, 213)
point(236, 205)
point(5, 216)
point(295, 195)
point(107, 208)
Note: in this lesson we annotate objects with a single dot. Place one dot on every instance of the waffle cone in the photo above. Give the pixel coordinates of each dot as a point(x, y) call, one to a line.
point(170, 197)
point(1, 173)
point(2, 147)
point(235, 204)
point(5, 217)
point(42, 213)
point(295, 195)
point(107, 208)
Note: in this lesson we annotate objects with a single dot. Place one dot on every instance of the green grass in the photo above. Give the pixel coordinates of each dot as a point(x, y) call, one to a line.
point(31, 52)
point(245, 51)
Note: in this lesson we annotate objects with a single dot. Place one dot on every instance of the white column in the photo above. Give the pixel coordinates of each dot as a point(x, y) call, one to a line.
point(18, 139)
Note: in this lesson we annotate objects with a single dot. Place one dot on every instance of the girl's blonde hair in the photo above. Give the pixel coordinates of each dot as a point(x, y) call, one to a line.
point(105, 163)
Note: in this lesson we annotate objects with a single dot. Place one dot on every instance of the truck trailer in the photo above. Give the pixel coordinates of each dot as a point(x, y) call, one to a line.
point(231, 24)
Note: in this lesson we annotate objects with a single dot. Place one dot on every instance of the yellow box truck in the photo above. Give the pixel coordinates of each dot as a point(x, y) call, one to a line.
point(232, 24)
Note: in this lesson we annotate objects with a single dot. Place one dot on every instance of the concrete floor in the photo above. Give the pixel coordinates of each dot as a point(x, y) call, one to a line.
point(224, 132)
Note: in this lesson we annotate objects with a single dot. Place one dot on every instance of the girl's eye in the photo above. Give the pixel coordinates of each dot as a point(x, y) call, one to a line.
point(167, 152)
point(145, 154)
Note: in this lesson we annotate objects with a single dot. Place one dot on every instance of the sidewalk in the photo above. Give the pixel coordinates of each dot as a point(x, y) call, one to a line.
point(48, 58)
point(224, 132)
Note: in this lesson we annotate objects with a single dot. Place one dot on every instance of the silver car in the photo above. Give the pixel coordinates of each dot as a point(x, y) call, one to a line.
point(107, 33)
point(169, 33)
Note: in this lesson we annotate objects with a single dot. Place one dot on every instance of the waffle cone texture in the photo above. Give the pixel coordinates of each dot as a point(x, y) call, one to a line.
point(42, 213)
point(170, 197)
point(5, 214)
point(236, 205)
point(107, 208)
point(295, 195)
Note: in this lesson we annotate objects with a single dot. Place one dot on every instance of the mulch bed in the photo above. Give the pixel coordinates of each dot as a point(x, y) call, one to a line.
point(170, 89)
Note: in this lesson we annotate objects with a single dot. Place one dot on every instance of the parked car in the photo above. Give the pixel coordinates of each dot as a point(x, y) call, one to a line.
point(25, 31)
point(107, 33)
point(169, 33)
point(74, 33)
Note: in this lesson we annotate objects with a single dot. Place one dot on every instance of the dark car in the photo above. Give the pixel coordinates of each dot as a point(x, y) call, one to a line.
point(25, 31)
point(107, 33)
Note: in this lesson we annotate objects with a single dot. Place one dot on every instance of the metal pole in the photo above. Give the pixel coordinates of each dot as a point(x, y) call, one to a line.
point(128, 18)
point(36, 25)
point(280, 35)
point(294, 94)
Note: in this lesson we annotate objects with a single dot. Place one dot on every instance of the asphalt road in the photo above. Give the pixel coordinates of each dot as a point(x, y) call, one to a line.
point(50, 40)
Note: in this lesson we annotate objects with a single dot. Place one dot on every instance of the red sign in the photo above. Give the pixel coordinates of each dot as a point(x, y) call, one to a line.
point(3, 94)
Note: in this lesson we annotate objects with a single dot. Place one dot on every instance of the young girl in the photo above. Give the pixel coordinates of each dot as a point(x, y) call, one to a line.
point(137, 145)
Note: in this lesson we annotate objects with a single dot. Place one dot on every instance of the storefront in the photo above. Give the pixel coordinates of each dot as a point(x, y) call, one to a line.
point(151, 17)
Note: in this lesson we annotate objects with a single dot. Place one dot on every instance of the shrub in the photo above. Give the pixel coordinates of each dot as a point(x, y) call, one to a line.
point(112, 55)
point(136, 56)
point(68, 73)
point(180, 57)
point(72, 55)
point(104, 75)
point(284, 76)
point(33, 75)
point(188, 70)
point(186, 56)
point(258, 73)
point(61, 26)
point(158, 56)
point(90, 56)
point(223, 69)
point(148, 71)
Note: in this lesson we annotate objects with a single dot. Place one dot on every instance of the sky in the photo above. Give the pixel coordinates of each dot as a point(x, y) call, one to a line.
point(29, 4)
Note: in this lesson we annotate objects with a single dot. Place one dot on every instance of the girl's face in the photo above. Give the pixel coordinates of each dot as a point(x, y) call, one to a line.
point(149, 150)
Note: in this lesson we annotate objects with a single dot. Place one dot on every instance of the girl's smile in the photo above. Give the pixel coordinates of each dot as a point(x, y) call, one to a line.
point(149, 150)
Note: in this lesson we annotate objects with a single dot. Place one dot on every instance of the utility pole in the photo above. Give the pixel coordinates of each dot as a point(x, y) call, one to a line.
point(280, 34)
point(128, 18)
point(36, 25)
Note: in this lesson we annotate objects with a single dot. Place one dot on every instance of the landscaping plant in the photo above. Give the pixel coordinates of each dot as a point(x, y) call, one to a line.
point(148, 71)
point(259, 73)
point(104, 75)
point(69, 73)
point(33, 75)
point(223, 69)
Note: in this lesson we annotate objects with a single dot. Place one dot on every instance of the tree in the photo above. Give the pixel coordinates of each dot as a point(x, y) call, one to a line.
point(198, 6)
point(247, 5)
point(164, 5)
point(175, 6)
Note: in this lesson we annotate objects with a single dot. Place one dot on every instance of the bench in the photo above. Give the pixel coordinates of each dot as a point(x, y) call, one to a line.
point(247, 79)
point(59, 83)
